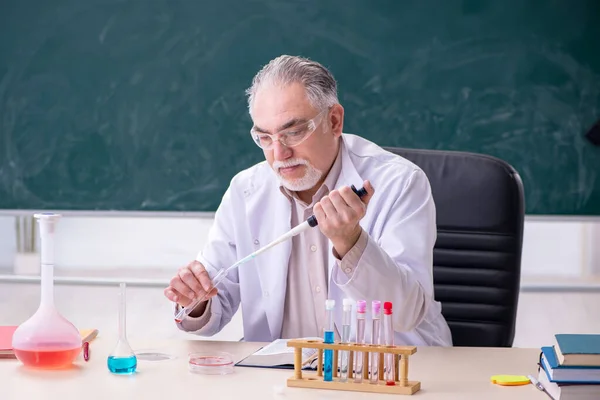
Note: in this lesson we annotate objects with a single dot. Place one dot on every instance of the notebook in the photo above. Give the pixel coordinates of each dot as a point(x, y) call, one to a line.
point(6, 334)
point(561, 391)
point(277, 354)
point(578, 349)
point(567, 374)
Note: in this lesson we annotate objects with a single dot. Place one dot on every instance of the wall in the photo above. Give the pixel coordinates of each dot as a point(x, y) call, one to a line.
point(555, 250)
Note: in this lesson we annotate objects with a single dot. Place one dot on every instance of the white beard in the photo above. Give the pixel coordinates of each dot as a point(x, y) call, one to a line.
point(306, 182)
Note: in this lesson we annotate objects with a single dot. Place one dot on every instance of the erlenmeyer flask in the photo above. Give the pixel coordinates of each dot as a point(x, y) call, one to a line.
point(47, 339)
point(122, 360)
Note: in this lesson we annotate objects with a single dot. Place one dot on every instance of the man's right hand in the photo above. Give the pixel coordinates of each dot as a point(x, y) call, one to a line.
point(191, 282)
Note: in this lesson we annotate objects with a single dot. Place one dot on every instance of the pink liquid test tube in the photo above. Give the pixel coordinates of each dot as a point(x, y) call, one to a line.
point(388, 330)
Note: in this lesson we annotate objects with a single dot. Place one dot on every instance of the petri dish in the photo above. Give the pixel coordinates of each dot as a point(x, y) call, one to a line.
point(149, 355)
point(211, 363)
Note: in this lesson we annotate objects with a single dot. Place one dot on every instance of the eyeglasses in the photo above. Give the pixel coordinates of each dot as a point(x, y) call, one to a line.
point(289, 137)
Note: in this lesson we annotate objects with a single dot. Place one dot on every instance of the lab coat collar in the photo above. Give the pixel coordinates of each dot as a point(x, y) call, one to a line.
point(349, 175)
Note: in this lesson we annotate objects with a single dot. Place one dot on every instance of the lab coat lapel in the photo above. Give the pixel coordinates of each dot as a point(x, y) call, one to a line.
point(269, 215)
point(348, 176)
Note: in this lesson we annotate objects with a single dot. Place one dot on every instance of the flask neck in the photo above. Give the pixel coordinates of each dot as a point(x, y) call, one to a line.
point(122, 315)
point(47, 284)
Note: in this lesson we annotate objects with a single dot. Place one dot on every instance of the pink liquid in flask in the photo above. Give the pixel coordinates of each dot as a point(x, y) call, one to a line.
point(49, 358)
point(47, 339)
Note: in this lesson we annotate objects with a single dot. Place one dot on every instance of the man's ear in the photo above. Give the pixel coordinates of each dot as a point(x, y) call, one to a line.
point(336, 119)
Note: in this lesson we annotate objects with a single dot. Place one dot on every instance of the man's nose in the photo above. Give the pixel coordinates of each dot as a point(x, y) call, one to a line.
point(281, 152)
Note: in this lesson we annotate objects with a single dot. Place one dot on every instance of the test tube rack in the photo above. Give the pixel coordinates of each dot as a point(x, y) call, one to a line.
point(315, 380)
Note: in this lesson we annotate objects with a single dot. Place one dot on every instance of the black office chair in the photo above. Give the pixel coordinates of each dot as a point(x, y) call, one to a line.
point(477, 255)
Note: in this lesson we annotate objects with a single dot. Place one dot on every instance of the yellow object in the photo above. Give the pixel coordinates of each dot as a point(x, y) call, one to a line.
point(510, 380)
point(87, 335)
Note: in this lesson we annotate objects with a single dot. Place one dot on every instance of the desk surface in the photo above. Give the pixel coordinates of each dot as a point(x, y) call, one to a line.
point(445, 373)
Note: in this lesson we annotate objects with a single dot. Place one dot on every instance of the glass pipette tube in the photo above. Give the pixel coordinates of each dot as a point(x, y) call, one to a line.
point(346, 320)
point(223, 272)
point(328, 338)
point(388, 330)
point(361, 308)
point(374, 363)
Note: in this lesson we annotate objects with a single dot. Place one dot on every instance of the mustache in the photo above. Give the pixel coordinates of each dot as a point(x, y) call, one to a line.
point(289, 163)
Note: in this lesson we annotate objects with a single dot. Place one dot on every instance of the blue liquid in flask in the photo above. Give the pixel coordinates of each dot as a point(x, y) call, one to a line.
point(122, 365)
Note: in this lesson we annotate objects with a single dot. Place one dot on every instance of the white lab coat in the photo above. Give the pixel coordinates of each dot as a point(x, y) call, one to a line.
point(396, 266)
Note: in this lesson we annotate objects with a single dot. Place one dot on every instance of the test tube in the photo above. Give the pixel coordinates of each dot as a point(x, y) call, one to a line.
point(389, 341)
point(361, 308)
point(374, 363)
point(328, 338)
point(346, 319)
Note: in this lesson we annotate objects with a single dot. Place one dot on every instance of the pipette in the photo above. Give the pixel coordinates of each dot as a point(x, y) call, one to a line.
point(310, 222)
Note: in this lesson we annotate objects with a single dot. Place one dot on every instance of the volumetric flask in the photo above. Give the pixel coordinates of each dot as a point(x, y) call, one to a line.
point(47, 339)
point(122, 360)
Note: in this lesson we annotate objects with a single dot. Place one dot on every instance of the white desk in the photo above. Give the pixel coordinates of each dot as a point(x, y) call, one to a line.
point(445, 373)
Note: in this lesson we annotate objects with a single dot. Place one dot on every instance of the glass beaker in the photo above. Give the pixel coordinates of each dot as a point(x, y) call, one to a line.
point(122, 360)
point(47, 339)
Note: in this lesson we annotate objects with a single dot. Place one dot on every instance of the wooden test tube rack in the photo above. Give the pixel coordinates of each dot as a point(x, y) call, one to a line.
point(401, 355)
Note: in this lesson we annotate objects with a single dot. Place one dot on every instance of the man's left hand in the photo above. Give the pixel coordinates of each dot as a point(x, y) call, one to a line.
point(339, 214)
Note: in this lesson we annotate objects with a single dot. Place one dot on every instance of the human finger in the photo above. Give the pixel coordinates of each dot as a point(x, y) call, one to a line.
point(352, 201)
point(177, 297)
point(188, 277)
point(177, 284)
point(370, 192)
point(319, 213)
point(202, 276)
point(328, 208)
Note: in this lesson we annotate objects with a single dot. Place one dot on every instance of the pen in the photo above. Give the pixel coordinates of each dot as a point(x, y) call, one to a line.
point(539, 386)
point(310, 359)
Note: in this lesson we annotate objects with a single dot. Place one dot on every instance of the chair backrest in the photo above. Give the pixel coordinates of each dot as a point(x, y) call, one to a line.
point(477, 256)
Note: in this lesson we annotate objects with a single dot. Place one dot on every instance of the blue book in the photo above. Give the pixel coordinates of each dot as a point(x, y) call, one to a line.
point(578, 349)
point(567, 374)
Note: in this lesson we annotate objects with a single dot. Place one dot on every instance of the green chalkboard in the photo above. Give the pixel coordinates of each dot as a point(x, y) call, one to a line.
point(139, 104)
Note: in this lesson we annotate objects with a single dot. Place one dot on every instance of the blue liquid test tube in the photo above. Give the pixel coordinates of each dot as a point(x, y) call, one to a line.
point(328, 338)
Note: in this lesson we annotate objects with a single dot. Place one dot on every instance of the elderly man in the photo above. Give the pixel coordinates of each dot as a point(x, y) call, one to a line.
point(378, 247)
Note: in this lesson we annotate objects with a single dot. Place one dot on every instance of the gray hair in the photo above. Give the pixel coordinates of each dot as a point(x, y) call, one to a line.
point(319, 83)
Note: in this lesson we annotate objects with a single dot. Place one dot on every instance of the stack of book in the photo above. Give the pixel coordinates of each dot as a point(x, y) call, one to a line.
point(570, 369)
